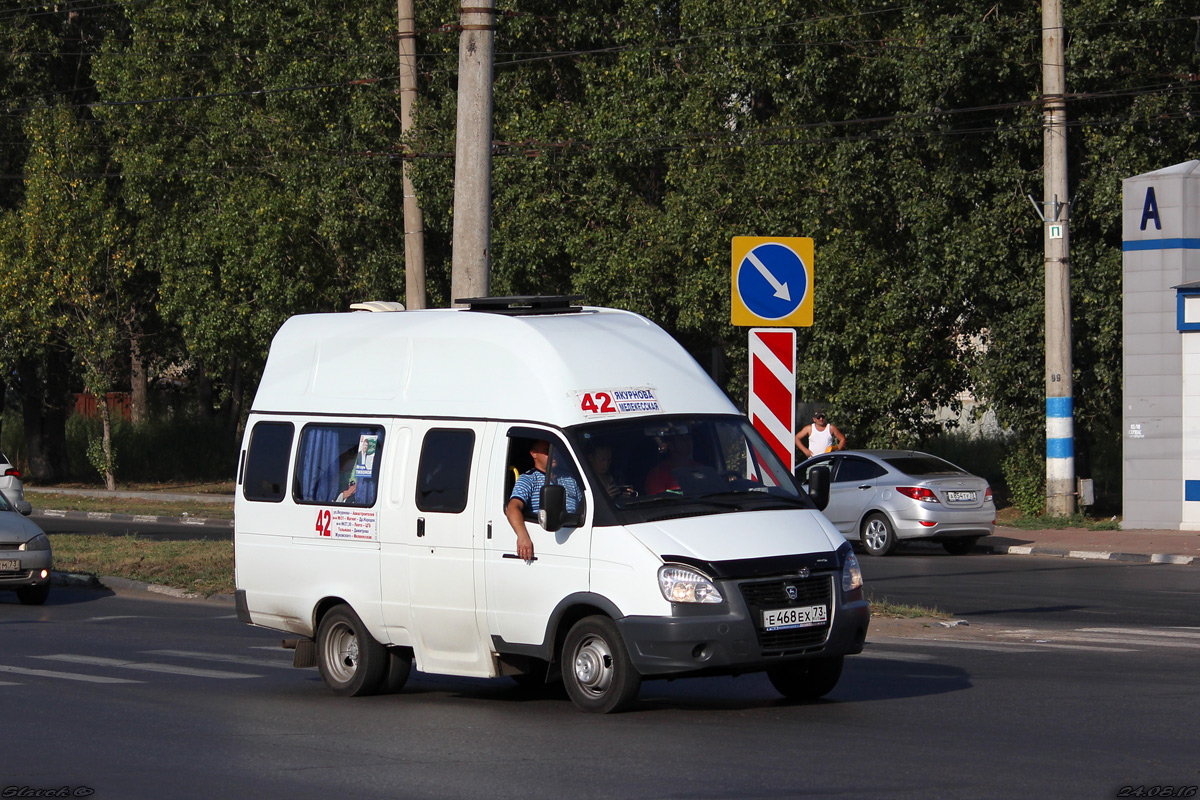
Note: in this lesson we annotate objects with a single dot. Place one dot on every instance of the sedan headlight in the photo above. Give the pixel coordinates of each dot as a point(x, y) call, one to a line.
point(683, 585)
point(39, 542)
point(851, 573)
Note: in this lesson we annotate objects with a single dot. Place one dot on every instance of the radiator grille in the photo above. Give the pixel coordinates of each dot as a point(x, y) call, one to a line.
point(773, 594)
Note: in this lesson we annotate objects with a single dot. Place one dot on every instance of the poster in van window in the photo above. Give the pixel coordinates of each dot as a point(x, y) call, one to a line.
point(630, 400)
point(364, 464)
point(355, 524)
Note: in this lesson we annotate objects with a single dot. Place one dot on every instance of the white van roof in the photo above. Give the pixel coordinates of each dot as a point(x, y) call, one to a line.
point(557, 368)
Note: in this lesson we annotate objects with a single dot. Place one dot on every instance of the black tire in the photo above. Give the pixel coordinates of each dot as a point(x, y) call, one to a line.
point(960, 546)
point(399, 667)
point(34, 595)
point(597, 671)
point(877, 535)
point(807, 681)
point(351, 662)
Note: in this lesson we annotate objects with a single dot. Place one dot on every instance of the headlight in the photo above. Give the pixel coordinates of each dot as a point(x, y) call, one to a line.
point(851, 573)
point(39, 542)
point(683, 585)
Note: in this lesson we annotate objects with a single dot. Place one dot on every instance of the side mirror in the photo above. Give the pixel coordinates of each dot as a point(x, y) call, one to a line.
point(552, 507)
point(24, 507)
point(818, 486)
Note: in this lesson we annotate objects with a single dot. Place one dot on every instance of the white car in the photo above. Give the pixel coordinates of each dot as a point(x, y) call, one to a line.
point(24, 556)
point(11, 486)
point(881, 497)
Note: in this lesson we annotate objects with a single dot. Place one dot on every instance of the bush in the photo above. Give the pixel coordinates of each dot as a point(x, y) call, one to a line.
point(169, 449)
point(1025, 475)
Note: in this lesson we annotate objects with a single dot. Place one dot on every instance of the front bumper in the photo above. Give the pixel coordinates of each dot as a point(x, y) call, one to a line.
point(731, 640)
point(30, 573)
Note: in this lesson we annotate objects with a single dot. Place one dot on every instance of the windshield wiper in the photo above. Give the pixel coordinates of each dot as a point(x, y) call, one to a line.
point(755, 498)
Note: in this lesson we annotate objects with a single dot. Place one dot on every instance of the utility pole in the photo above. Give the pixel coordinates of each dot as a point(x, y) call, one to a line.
point(473, 153)
point(1056, 212)
point(414, 220)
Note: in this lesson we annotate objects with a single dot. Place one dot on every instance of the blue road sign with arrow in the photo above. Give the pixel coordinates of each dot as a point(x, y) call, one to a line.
point(772, 281)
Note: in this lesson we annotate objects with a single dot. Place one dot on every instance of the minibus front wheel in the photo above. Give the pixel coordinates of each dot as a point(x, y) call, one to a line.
point(351, 662)
point(596, 668)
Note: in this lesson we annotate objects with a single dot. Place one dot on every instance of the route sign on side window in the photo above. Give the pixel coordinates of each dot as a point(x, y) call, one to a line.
point(772, 281)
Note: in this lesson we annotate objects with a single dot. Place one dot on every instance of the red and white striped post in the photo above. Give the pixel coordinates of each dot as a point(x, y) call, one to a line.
point(772, 406)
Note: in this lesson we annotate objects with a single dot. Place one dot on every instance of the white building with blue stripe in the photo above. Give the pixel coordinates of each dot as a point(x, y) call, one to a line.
point(1161, 311)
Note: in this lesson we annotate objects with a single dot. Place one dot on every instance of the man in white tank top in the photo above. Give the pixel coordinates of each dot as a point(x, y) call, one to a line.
point(820, 435)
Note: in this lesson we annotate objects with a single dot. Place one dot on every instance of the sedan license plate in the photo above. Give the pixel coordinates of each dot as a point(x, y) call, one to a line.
point(9, 565)
point(801, 617)
point(960, 497)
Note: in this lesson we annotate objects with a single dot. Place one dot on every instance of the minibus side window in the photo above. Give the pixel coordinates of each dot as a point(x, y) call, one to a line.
point(338, 464)
point(444, 474)
point(267, 461)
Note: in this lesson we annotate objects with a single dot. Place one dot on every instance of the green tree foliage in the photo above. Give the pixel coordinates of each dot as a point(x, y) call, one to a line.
point(257, 153)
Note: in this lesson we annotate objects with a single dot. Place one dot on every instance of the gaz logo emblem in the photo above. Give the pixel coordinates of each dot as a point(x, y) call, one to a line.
point(792, 592)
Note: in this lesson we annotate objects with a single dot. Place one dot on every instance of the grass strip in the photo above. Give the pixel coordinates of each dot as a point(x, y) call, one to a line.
point(202, 567)
point(881, 606)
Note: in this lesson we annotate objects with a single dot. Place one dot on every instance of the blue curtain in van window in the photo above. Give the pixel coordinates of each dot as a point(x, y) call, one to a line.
point(318, 467)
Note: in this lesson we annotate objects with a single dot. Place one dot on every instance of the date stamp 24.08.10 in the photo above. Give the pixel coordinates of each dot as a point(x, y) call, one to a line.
point(1158, 791)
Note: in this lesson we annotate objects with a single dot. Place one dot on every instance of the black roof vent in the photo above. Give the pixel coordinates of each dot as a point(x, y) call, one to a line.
point(524, 304)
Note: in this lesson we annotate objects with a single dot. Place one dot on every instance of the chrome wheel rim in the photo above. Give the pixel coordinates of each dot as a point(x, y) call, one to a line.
point(341, 652)
point(876, 534)
point(593, 666)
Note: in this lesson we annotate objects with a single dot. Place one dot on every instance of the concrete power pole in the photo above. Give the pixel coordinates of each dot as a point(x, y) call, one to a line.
point(1056, 211)
point(414, 220)
point(473, 153)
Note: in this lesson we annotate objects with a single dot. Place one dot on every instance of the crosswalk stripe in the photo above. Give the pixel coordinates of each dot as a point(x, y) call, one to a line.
point(172, 669)
point(231, 659)
point(70, 676)
point(998, 647)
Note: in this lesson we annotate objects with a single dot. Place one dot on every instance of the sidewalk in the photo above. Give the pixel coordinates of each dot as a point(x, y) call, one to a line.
point(1133, 546)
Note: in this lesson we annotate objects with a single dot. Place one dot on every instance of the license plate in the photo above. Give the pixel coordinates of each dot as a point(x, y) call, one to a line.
point(9, 565)
point(959, 496)
point(801, 617)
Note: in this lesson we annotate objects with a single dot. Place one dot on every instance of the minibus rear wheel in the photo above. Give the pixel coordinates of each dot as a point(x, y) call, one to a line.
point(596, 668)
point(351, 662)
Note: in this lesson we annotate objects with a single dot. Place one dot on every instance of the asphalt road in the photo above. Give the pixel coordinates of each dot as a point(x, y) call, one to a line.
point(1038, 591)
point(137, 696)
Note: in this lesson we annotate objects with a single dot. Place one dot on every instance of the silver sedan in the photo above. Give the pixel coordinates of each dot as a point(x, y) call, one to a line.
point(881, 497)
point(24, 556)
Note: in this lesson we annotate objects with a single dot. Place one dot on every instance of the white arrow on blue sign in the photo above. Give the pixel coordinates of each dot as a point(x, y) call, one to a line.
point(772, 281)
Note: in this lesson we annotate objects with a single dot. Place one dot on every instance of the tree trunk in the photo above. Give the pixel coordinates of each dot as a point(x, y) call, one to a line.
point(45, 403)
point(139, 386)
point(110, 479)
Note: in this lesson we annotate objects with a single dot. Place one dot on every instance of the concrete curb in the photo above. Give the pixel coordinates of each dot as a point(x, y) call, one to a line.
point(1089, 555)
point(142, 518)
point(88, 581)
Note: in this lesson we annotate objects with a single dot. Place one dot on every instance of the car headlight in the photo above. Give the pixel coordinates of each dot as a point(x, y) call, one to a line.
point(683, 585)
point(39, 542)
point(851, 573)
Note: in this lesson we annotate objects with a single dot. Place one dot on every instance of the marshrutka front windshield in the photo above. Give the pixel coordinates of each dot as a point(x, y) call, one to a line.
point(668, 460)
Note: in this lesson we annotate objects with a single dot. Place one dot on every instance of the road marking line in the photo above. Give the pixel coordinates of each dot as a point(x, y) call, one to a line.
point(1173, 633)
point(232, 659)
point(147, 667)
point(999, 647)
point(70, 676)
point(116, 616)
